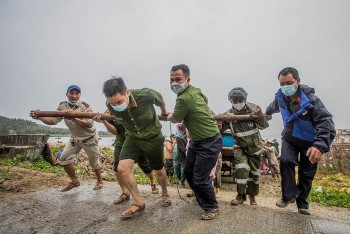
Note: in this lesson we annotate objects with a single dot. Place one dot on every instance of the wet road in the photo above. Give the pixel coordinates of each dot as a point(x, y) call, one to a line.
point(83, 210)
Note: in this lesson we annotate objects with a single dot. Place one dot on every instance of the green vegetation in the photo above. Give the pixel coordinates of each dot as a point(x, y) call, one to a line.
point(331, 190)
point(21, 126)
point(36, 163)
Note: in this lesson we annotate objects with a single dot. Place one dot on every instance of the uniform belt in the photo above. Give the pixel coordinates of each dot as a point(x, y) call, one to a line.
point(247, 133)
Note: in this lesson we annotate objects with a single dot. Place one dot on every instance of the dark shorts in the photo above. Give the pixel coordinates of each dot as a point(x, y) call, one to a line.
point(169, 167)
point(141, 161)
point(152, 149)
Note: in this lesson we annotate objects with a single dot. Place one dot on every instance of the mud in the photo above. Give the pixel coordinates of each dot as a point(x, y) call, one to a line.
point(83, 210)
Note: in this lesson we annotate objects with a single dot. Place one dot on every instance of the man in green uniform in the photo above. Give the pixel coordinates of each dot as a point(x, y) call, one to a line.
point(134, 109)
point(118, 130)
point(191, 108)
point(248, 147)
point(84, 136)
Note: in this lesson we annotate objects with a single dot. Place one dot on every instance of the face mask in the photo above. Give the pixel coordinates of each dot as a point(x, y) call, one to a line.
point(288, 90)
point(121, 107)
point(238, 106)
point(73, 103)
point(178, 87)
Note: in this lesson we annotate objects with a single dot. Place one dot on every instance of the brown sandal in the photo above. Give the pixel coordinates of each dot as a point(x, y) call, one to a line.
point(128, 214)
point(209, 215)
point(121, 198)
point(98, 185)
point(252, 201)
point(70, 186)
point(155, 190)
point(166, 201)
point(237, 201)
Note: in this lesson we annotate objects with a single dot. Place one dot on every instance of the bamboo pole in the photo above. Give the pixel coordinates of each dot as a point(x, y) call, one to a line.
point(90, 115)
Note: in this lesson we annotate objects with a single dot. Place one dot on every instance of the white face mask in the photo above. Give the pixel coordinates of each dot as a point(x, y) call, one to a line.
point(178, 87)
point(238, 106)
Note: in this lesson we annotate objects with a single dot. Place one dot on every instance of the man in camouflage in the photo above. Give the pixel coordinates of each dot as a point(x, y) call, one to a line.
point(247, 148)
point(83, 136)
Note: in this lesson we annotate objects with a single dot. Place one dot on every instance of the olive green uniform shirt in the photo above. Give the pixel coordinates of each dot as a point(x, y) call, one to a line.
point(78, 132)
point(140, 120)
point(120, 137)
point(192, 108)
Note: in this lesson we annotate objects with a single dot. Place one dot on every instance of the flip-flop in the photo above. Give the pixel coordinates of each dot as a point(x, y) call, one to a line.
point(121, 198)
point(70, 186)
point(128, 214)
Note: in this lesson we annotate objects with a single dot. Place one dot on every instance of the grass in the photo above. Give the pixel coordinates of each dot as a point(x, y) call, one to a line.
point(331, 190)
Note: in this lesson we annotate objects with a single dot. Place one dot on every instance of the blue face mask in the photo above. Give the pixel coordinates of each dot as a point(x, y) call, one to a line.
point(121, 107)
point(288, 90)
point(73, 103)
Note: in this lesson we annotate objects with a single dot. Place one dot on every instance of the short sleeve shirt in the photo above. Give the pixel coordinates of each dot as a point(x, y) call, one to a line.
point(76, 130)
point(140, 120)
point(120, 137)
point(192, 108)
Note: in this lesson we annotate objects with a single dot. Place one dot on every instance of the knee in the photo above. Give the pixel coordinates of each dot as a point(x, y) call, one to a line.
point(160, 172)
point(122, 169)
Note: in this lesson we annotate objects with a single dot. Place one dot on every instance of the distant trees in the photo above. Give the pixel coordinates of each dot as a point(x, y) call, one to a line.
point(21, 126)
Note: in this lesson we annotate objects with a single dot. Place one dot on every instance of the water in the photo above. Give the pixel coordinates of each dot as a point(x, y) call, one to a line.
point(104, 141)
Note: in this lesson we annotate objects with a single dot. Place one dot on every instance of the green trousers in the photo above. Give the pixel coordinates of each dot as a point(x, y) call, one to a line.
point(247, 172)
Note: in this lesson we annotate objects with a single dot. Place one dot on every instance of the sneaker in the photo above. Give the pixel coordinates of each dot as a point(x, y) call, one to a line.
point(283, 204)
point(304, 211)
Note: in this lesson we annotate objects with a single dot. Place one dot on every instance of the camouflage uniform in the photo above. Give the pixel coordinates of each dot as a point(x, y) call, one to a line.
point(247, 150)
point(81, 138)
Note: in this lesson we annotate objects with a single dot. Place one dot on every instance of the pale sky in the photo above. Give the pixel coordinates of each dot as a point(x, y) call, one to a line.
point(45, 46)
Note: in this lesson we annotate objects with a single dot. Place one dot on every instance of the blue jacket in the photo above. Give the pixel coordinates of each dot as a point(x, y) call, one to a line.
point(309, 125)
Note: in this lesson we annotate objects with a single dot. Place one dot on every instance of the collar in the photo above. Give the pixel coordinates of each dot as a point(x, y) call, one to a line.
point(132, 100)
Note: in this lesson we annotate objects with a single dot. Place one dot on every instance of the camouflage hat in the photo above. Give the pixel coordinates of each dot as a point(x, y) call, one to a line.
point(237, 93)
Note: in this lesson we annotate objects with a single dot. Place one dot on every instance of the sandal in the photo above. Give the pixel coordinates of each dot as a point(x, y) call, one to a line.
point(211, 214)
point(98, 185)
point(128, 214)
point(166, 201)
point(70, 186)
point(155, 190)
point(237, 201)
point(252, 201)
point(121, 198)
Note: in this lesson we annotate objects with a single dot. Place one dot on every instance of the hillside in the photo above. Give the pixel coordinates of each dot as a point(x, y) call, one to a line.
point(21, 126)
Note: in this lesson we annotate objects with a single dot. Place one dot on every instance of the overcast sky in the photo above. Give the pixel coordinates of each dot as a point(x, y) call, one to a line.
point(45, 46)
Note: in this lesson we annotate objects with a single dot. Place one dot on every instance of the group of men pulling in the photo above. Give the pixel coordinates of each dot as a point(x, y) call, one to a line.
point(307, 134)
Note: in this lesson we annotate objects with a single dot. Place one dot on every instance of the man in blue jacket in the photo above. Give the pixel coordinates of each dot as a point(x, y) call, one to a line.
point(308, 133)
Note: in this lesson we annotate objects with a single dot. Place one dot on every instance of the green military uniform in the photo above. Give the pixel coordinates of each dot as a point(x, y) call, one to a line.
point(118, 144)
point(142, 126)
point(81, 138)
point(247, 150)
point(194, 111)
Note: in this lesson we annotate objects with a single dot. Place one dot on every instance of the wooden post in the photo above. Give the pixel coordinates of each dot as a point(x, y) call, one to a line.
point(90, 115)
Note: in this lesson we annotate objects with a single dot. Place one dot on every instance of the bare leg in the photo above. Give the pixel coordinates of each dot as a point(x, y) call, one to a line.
point(154, 188)
point(162, 179)
point(98, 175)
point(69, 169)
point(128, 178)
point(151, 178)
point(122, 185)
